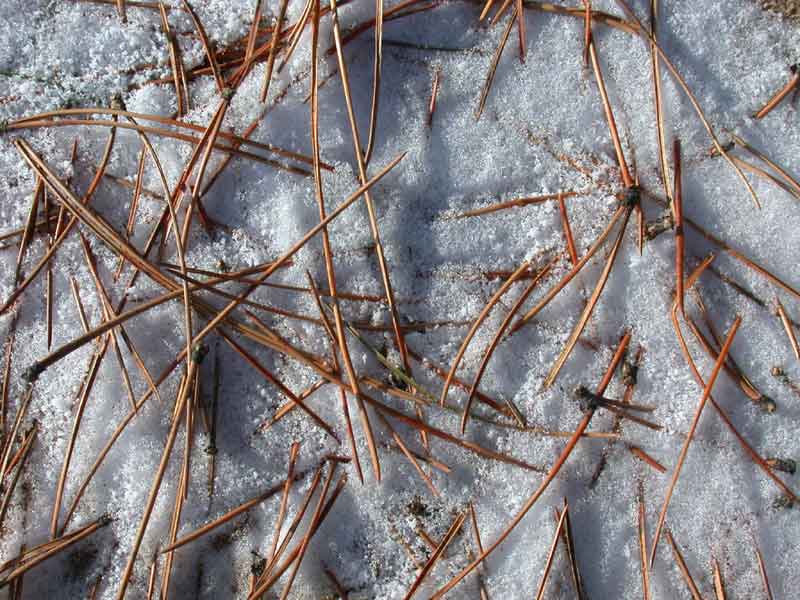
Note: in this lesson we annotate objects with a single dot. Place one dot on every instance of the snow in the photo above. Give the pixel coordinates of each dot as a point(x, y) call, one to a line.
point(733, 56)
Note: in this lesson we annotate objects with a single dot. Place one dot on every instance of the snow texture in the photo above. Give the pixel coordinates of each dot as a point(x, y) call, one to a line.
point(543, 130)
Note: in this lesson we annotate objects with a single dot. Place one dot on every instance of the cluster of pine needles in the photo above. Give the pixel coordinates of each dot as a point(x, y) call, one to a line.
point(58, 212)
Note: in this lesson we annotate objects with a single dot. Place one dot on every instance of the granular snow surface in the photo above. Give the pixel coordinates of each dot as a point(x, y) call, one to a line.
point(543, 130)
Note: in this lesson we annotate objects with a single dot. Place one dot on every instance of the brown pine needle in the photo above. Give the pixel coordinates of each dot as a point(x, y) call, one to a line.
point(373, 220)
point(687, 577)
point(644, 456)
point(736, 255)
point(151, 580)
point(695, 420)
point(517, 202)
point(174, 60)
point(761, 156)
point(409, 455)
point(48, 304)
point(121, 10)
point(779, 95)
point(244, 507)
point(108, 313)
point(521, 30)
point(82, 401)
point(210, 55)
point(6, 385)
point(767, 176)
point(642, 539)
point(180, 403)
point(315, 520)
point(562, 208)
point(500, 12)
point(12, 435)
point(284, 498)
point(719, 584)
point(677, 203)
point(493, 67)
point(58, 546)
point(239, 76)
point(627, 180)
point(376, 81)
point(273, 50)
point(587, 311)
point(27, 231)
point(762, 570)
point(442, 374)
point(117, 242)
point(230, 150)
point(283, 389)
point(21, 458)
point(293, 525)
point(466, 444)
point(730, 367)
point(598, 243)
point(587, 31)
point(486, 8)
point(455, 527)
point(656, 73)
point(551, 475)
point(695, 104)
point(755, 457)
point(331, 276)
point(313, 527)
point(787, 325)
point(552, 552)
point(495, 342)
point(476, 325)
point(294, 36)
point(598, 17)
point(437, 73)
point(48, 119)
